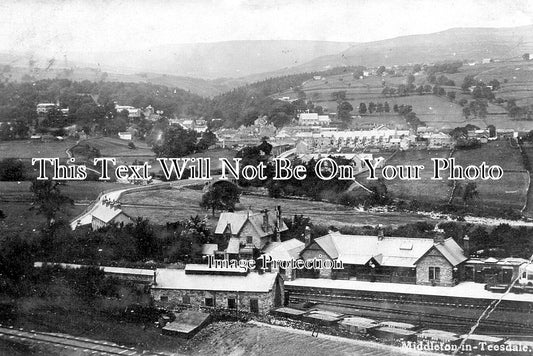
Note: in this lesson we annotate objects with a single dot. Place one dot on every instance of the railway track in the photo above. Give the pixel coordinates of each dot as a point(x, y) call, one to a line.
point(425, 318)
point(63, 341)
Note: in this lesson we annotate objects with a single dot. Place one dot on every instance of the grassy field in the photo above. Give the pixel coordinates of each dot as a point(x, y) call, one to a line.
point(115, 147)
point(497, 152)
point(512, 189)
point(425, 189)
point(528, 150)
point(78, 190)
point(163, 206)
point(28, 149)
point(16, 198)
point(508, 192)
point(438, 112)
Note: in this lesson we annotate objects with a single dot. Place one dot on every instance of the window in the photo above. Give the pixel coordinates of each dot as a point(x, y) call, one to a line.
point(434, 273)
point(163, 298)
point(231, 303)
point(209, 302)
point(254, 305)
point(249, 239)
point(186, 299)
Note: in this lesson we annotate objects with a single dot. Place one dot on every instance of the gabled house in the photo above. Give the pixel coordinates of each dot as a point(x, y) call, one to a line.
point(246, 231)
point(108, 213)
point(428, 261)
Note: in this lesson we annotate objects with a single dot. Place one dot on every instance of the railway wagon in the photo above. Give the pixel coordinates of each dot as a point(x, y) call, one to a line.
point(438, 336)
point(387, 333)
point(358, 325)
point(526, 275)
point(485, 341)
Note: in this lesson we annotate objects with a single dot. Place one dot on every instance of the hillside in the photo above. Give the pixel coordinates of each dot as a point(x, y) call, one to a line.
point(452, 44)
point(231, 59)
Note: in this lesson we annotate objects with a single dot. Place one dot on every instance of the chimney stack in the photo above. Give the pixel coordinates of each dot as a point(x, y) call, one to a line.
point(439, 236)
point(265, 220)
point(466, 245)
point(307, 236)
point(277, 224)
point(380, 232)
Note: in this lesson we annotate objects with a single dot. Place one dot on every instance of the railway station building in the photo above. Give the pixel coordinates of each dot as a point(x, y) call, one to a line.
point(200, 287)
point(427, 261)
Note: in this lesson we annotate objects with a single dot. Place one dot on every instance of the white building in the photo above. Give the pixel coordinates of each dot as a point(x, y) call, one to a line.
point(125, 136)
point(132, 112)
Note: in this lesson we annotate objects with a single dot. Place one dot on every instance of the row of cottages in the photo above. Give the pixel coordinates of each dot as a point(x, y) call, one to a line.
point(426, 261)
point(313, 119)
point(204, 287)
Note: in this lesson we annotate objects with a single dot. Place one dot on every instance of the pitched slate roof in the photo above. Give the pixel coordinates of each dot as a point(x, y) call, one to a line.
point(236, 221)
point(390, 251)
point(233, 245)
point(106, 213)
point(177, 279)
point(284, 251)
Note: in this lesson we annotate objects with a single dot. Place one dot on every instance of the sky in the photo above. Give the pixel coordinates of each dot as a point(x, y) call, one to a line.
point(61, 26)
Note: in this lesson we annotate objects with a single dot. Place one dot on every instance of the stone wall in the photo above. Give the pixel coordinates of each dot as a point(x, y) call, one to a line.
point(434, 259)
point(314, 251)
point(171, 298)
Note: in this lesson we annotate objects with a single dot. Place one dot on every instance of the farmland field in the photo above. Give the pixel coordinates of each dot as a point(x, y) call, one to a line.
point(425, 189)
point(115, 147)
point(78, 190)
point(509, 192)
point(497, 152)
point(28, 149)
point(512, 189)
point(437, 112)
point(15, 202)
point(161, 206)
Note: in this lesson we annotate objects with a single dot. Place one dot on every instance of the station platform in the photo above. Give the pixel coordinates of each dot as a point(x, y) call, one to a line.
point(462, 290)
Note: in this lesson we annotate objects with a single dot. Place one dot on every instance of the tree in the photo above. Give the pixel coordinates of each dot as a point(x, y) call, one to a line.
point(371, 107)
point(466, 112)
point(362, 108)
point(468, 81)
point(221, 196)
point(47, 198)
point(469, 192)
point(381, 70)
point(495, 84)
point(176, 142)
point(265, 147)
point(343, 112)
point(339, 95)
point(492, 130)
point(402, 90)
point(208, 139)
point(451, 95)
point(144, 236)
point(12, 169)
